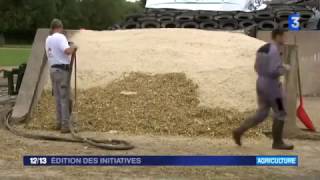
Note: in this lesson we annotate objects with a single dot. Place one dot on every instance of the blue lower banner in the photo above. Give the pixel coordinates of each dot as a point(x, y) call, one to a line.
point(160, 160)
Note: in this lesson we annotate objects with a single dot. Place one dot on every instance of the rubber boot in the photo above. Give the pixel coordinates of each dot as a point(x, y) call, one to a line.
point(64, 127)
point(277, 130)
point(58, 126)
point(64, 130)
point(246, 125)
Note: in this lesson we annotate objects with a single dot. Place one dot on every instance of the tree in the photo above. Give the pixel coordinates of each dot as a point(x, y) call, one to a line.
point(25, 16)
point(43, 11)
point(143, 3)
point(100, 14)
point(71, 14)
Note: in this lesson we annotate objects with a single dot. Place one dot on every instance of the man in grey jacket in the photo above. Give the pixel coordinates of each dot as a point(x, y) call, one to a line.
point(269, 67)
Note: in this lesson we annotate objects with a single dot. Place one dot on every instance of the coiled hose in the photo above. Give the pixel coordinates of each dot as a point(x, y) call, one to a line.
point(104, 144)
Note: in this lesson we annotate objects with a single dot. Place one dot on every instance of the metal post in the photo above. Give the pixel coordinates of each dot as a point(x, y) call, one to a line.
point(9, 76)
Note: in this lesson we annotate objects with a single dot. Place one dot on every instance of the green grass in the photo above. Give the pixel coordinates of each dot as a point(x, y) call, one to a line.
point(14, 56)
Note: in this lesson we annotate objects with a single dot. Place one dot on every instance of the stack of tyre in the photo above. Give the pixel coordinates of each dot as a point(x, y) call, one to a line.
point(271, 18)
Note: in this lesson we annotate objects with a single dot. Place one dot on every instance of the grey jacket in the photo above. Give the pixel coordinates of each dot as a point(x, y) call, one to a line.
point(269, 68)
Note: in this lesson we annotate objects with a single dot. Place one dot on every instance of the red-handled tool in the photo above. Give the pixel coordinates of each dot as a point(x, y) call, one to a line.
point(301, 113)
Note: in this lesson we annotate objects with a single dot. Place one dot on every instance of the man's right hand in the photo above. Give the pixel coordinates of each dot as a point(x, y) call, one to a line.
point(74, 47)
point(287, 67)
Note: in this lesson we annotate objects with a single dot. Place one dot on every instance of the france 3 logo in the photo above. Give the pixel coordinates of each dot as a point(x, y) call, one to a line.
point(294, 22)
point(38, 160)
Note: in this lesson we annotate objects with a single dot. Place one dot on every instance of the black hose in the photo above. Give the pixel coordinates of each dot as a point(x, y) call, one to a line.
point(33, 136)
point(103, 144)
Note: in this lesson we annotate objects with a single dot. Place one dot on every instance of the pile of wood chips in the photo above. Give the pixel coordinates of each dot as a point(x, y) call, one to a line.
point(137, 103)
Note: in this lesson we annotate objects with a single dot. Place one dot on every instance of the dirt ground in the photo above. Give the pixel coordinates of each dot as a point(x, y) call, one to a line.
point(13, 148)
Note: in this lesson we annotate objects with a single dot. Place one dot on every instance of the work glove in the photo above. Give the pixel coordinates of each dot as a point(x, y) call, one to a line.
point(74, 46)
point(287, 67)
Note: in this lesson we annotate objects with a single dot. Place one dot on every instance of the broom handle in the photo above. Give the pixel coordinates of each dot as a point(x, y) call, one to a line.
point(74, 63)
point(298, 70)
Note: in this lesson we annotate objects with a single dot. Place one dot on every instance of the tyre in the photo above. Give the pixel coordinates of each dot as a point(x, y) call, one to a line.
point(229, 24)
point(232, 13)
point(223, 17)
point(154, 11)
point(203, 17)
point(305, 26)
point(170, 24)
point(165, 18)
point(212, 13)
point(209, 25)
point(150, 24)
point(281, 8)
point(283, 15)
point(310, 3)
point(147, 18)
point(114, 27)
point(243, 16)
point(150, 14)
point(182, 11)
point(133, 17)
point(176, 12)
point(267, 25)
point(264, 15)
point(190, 25)
point(300, 8)
point(184, 18)
point(246, 23)
point(131, 25)
point(284, 25)
point(166, 14)
point(305, 15)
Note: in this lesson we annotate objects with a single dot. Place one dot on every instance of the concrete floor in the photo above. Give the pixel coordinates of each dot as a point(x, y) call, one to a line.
point(312, 107)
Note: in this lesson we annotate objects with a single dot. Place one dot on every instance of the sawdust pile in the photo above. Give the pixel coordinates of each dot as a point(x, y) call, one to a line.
point(221, 63)
point(162, 104)
point(161, 81)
